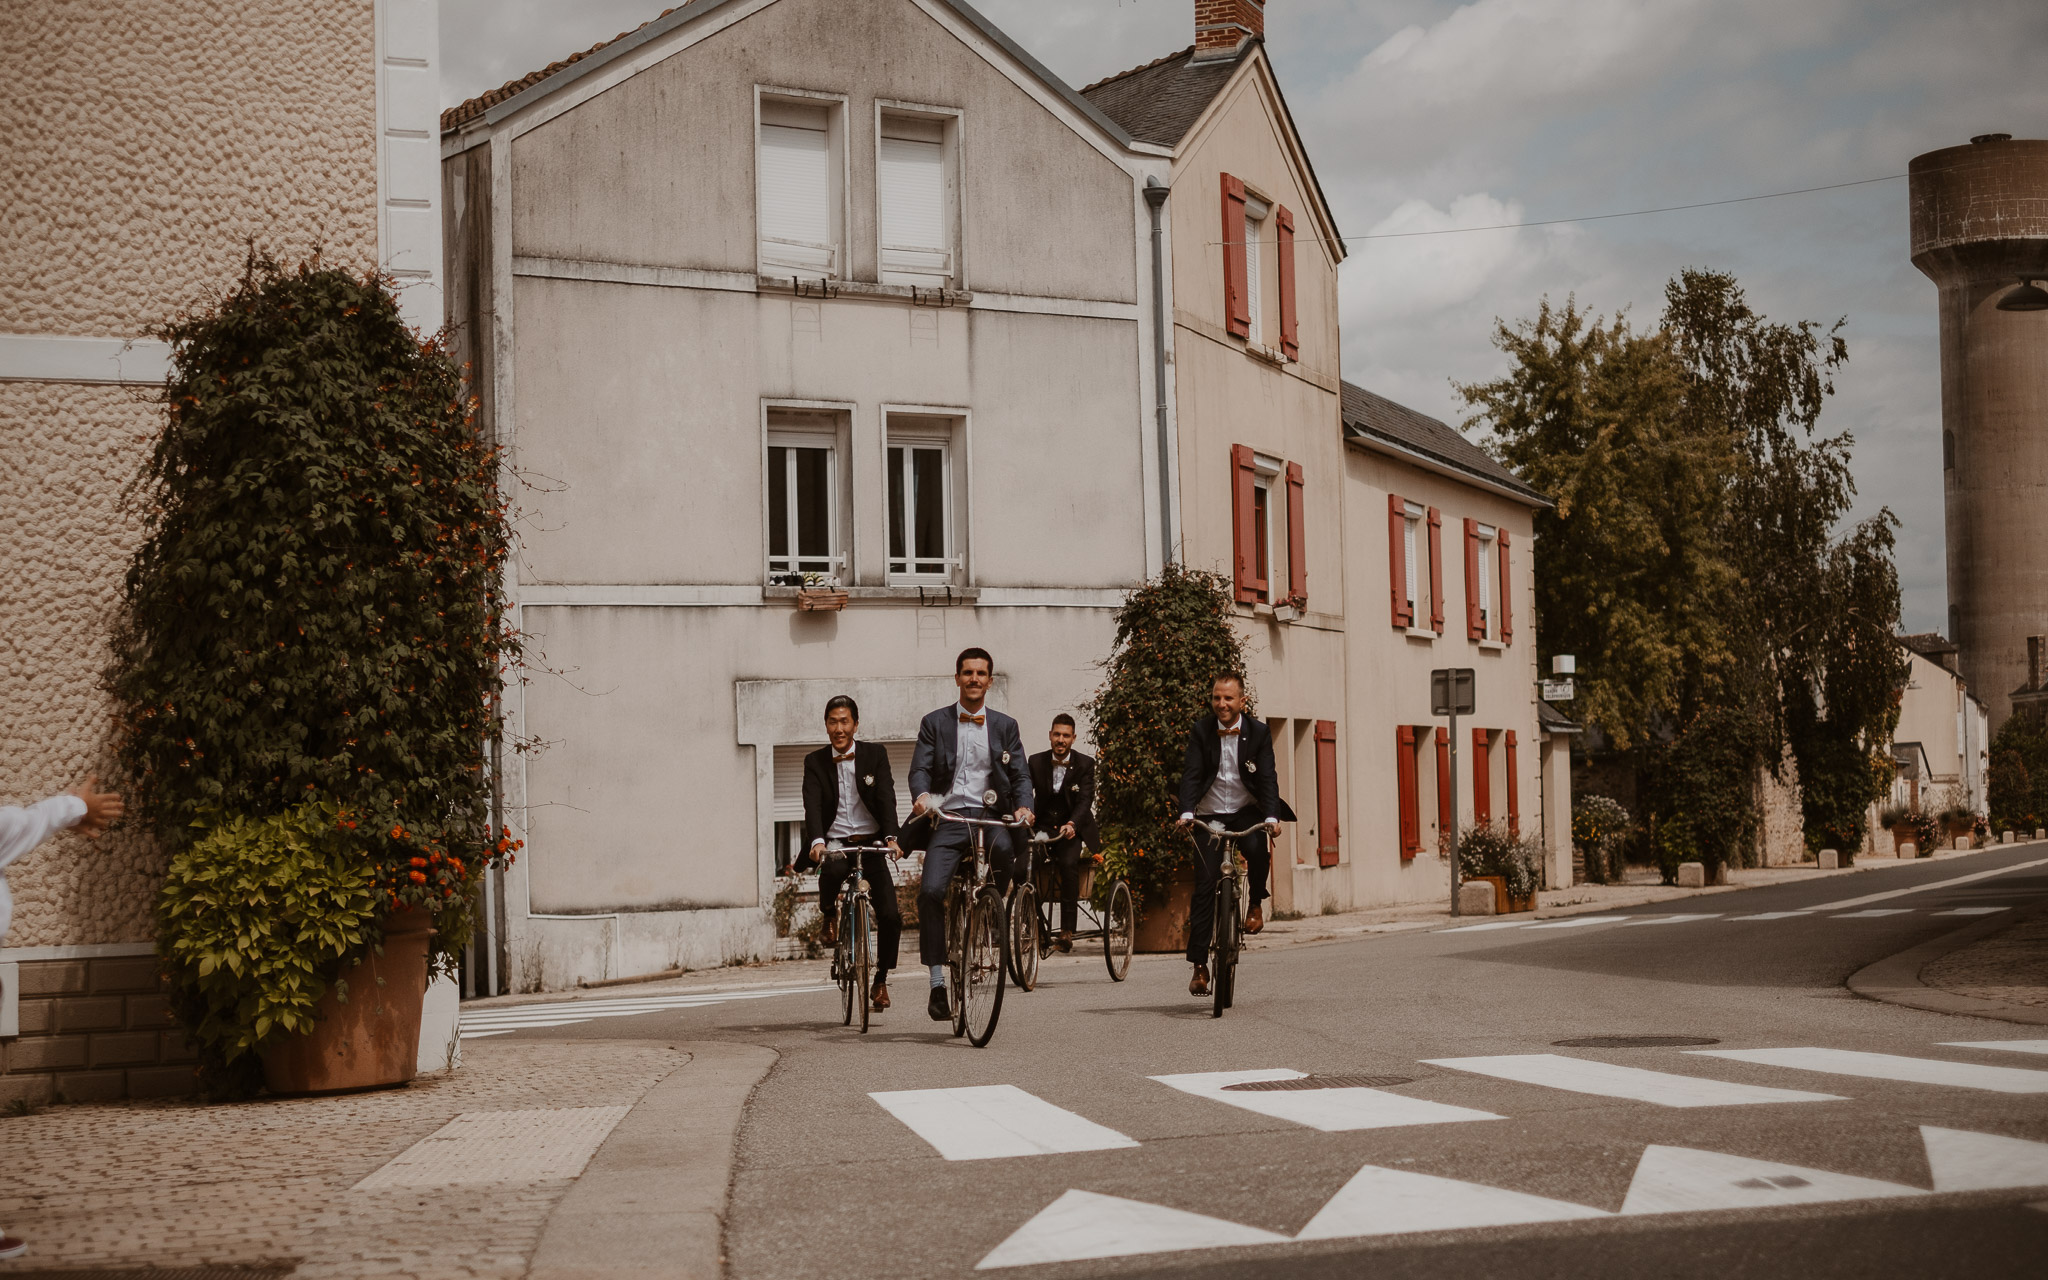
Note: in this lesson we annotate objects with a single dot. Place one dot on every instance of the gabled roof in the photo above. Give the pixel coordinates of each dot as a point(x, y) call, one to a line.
point(1371, 417)
point(557, 75)
point(1160, 101)
point(1929, 644)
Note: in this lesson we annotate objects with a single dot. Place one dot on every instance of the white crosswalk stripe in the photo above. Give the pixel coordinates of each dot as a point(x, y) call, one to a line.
point(1873, 914)
point(1680, 918)
point(1972, 911)
point(2011, 1046)
point(505, 1019)
point(1585, 1075)
point(1891, 1066)
point(1576, 922)
point(989, 1122)
point(1774, 915)
point(1331, 1110)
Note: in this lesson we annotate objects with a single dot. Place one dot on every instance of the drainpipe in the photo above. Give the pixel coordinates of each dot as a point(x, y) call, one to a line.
point(1155, 198)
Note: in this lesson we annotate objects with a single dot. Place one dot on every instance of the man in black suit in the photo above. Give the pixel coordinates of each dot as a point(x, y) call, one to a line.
point(849, 798)
point(1229, 778)
point(1063, 783)
point(963, 752)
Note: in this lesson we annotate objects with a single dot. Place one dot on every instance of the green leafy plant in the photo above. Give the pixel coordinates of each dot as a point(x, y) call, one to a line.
point(2017, 786)
point(255, 918)
point(1599, 825)
point(1173, 636)
point(1492, 850)
point(315, 611)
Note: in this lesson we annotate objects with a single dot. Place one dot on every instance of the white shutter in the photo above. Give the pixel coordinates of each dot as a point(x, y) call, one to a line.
point(789, 783)
point(796, 193)
point(910, 180)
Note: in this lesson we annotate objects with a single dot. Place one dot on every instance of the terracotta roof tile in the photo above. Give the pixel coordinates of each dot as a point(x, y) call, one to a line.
point(1369, 414)
point(457, 116)
point(1160, 101)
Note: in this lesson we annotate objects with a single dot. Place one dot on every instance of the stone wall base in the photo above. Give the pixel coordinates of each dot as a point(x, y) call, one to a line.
point(93, 1029)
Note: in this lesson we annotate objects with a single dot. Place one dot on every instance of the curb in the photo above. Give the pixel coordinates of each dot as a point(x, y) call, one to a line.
point(651, 1203)
point(1896, 979)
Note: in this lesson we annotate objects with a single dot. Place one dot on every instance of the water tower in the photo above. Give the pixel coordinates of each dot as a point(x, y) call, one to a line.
point(1980, 232)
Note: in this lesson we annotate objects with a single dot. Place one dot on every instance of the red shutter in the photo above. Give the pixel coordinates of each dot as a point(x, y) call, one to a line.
point(1475, 621)
point(1290, 337)
point(1397, 553)
point(1514, 789)
point(1507, 613)
point(1297, 540)
point(1436, 571)
point(1243, 485)
point(1443, 784)
point(1404, 778)
point(1326, 792)
point(1482, 780)
point(1237, 310)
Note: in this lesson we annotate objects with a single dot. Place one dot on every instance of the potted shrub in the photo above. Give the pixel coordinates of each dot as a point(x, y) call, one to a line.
point(314, 617)
point(1511, 864)
point(1172, 636)
point(1599, 824)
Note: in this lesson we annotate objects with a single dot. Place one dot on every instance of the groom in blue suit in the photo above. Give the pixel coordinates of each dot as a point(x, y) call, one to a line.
point(963, 752)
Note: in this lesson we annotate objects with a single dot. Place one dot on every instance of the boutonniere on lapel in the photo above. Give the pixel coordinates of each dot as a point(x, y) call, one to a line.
point(1251, 766)
point(867, 780)
point(1006, 757)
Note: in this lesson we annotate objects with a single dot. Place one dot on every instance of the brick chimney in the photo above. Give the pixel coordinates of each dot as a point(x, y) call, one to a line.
point(1224, 27)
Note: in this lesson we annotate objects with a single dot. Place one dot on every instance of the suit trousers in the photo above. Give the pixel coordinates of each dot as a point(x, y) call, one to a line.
point(832, 873)
point(951, 847)
point(1258, 858)
point(1064, 857)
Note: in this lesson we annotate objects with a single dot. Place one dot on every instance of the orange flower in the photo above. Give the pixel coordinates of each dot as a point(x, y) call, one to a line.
point(418, 877)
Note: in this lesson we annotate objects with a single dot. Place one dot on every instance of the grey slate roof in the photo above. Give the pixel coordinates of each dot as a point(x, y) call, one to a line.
point(1376, 417)
point(1160, 101)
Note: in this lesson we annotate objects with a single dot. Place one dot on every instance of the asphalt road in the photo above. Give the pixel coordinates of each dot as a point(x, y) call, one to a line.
point(1542, 1159)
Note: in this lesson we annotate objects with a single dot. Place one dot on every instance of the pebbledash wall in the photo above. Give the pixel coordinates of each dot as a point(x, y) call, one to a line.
point(148, 142)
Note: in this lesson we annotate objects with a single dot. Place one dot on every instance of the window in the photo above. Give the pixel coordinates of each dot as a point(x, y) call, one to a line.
point(804, 505)
point(1405, 775)
point(1255, 213)
point(1512, 784)
point(922, 542)
point(799, 188)
point(1489, 608)
point(1487, 611)
point(913, 188)
point(1411, 550)
point(1327, 833)
point(1262, 530)
point(1482, 777)
point(1266, 524)
point(1236, 305)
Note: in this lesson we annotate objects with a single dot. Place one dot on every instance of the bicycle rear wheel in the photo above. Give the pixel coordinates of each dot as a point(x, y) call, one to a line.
point(842, 969)
point(1022, 937)
point(984, 967)
point(863, 956)
point(1224, 946)
point(956, 956)
point(1119, 931)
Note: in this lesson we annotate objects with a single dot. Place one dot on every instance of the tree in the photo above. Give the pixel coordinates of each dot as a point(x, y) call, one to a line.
point(2018, 786)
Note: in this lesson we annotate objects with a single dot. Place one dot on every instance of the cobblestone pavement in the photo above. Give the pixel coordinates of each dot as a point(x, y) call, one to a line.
point(2011, 965)
point(183, 1184)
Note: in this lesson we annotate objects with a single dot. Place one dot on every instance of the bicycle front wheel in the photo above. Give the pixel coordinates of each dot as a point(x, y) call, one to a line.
point(984, 967)
point(1119, 931)
point(1224, 946)
point(863, 957)
point(1023, 937)
point(842, 969)
point(956, 956)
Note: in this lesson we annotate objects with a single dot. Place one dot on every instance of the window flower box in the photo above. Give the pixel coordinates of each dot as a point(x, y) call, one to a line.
point(821, 599)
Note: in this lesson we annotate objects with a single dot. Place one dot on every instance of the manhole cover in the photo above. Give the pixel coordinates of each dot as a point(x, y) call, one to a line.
point(1632, 1042)
point(1317, 1082)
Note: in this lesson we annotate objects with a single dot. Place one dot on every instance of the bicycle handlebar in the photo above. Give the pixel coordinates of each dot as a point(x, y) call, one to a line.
point(1216, 829)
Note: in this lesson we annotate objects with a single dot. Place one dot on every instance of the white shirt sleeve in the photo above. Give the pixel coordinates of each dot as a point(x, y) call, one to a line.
point(23, 829)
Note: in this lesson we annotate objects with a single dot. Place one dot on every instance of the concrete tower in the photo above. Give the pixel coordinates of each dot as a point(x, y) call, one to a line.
point(1980, 226)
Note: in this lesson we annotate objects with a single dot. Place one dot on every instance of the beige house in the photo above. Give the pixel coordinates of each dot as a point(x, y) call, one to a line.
point(1942, 746)
point(135, 176)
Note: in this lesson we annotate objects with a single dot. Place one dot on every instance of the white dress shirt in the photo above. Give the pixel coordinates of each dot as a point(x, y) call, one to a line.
point(1059, 771)
point(853, 819)
point(974, 766)
point(1228, 793)
point(23, 829)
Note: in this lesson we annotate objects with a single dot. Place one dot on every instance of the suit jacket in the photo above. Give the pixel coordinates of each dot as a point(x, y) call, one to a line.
point(1254, 765)
point(937, 754)
point(1073, 802)
point(870, 777)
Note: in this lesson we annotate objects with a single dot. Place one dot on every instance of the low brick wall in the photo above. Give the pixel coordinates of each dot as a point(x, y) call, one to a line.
point(93, 1028)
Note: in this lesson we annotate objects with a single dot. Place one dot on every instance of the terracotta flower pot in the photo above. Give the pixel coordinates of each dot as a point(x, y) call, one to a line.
point(372, 1040)
point(1503, 904)
point(1163, 923)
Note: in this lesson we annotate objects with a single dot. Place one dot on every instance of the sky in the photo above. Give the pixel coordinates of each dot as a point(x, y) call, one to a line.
point(1429, 115)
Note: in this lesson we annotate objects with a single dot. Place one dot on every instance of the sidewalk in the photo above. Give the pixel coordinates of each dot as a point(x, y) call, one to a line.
point(2009, 967)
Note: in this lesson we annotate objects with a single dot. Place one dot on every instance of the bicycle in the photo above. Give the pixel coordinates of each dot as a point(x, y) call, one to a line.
point(853, 955)
point(976, 937)
point(1226, 934)
point(1026, 937)
point(1115, 921)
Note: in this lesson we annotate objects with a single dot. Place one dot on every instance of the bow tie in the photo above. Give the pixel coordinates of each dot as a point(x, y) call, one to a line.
point(1228, 733)
point(847, 756)
point(1060, 760)
point(967, 719)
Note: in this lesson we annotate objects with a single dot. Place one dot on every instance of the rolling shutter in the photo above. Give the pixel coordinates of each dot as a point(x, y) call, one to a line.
point(1482, 778)
point(1290, 340)
point(1514, 786)
point(1443, 783)
point(789, 782)
point(796, 191)
point(1237, 315)
point(1404, 778)
point(1475, 616)
point(1397, 556)
point(1297, 539)
point(1244, 477)
point(1507, 615)
point(1436, 571)
point(910, 187)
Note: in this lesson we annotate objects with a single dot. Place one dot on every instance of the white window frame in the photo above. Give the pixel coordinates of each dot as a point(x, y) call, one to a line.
point(1489, 582)
point(1415, 545)
point(769, 261)
point(910, 273)
point(1269, 476)
point(936, 430)
point(1256, 212)
point(809, 424)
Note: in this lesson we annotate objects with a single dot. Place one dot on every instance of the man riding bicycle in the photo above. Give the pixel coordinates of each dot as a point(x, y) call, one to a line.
point(1228, 779)
point(963, 752)
point(850, 798)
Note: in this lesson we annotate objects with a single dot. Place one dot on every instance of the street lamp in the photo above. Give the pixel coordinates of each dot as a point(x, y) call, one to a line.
point(2028, 297)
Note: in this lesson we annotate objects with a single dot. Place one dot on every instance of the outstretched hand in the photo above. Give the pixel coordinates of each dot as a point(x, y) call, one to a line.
point(102, 808)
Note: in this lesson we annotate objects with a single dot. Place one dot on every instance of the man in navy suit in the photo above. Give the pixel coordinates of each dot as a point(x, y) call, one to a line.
point(963, 752)
point(1228, 778)
point(850, 798)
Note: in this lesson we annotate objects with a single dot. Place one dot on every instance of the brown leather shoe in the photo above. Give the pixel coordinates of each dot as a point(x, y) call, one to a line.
point(1256, 920)
point(831, 933)
point(1066, 942)
point(1199, 984)
point(881, 996)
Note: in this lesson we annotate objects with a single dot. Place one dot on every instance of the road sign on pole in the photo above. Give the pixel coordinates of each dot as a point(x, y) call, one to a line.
point(1450, 694)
